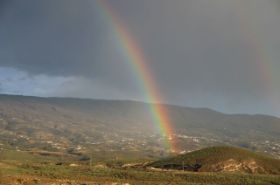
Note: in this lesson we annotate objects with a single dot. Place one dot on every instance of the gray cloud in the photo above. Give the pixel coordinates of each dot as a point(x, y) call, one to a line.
point(201, 52)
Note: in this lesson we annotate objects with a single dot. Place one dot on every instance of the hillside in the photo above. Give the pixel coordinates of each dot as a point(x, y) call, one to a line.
point(221, 159)
point(82, 126)
point(19, 167)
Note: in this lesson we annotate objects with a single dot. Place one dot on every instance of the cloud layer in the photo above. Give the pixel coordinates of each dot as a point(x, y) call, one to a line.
point(202, 53)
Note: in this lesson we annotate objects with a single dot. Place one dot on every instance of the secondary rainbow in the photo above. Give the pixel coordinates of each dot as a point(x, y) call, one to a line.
point(261, 57)
point(136, 59)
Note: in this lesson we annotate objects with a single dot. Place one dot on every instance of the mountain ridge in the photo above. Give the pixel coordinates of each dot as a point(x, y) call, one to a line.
point(134, 101)
point(126, 125)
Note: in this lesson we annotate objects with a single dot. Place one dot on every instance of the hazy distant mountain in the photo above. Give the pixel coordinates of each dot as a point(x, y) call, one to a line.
point(84, 125)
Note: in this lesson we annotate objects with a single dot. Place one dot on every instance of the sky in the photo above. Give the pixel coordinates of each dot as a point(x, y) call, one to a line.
point(219, 54)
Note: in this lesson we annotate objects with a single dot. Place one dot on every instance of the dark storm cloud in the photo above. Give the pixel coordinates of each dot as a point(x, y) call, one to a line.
point(55, 37)
point(202, 53)
point(64, 38)
point(208, 52)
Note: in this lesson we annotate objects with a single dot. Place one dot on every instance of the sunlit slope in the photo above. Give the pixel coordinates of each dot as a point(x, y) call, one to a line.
point(221, 159)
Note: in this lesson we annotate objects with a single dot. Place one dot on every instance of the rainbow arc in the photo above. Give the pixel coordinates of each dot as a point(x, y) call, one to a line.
point(138, 62)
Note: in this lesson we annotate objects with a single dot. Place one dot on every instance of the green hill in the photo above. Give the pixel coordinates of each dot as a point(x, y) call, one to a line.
point(221, 159)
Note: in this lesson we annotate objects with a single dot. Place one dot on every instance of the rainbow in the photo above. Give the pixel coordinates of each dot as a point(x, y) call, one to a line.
point(136, 59)
point(262, 62)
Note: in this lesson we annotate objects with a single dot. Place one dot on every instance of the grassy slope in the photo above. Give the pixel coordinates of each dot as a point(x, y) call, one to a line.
point(211, 156)
point(30, 173)
point(27, 168)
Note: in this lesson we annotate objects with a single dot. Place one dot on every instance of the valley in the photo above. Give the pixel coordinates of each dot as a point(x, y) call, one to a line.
point(85, 126)
point(48, 140)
